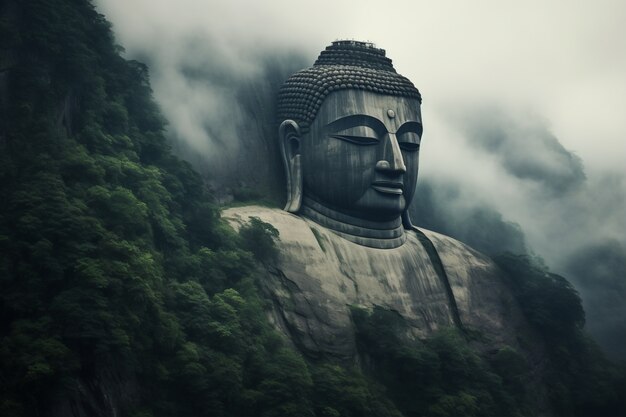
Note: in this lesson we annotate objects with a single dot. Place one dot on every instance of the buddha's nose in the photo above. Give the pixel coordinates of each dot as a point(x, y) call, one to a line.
point(392, 161)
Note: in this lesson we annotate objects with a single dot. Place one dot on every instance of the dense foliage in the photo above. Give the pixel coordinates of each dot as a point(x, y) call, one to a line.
point(116, 275)
point(580, 380)
point(442, 375)
point(121, 289)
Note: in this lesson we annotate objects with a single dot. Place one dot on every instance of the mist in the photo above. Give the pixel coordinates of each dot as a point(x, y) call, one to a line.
point(219, 105)
point(523, 146)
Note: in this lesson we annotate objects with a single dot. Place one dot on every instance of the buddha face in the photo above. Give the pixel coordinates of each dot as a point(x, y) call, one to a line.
point(360, 156)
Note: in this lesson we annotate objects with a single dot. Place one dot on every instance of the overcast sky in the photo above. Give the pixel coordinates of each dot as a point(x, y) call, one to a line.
point(565, 60)
point(524, 103)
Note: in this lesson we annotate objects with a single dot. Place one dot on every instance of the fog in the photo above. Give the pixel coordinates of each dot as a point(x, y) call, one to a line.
point(523, 110)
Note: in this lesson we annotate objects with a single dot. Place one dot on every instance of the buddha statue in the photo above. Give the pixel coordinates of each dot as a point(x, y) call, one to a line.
point(349, 131)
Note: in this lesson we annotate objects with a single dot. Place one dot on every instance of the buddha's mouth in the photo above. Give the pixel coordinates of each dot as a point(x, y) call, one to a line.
point(388, 187)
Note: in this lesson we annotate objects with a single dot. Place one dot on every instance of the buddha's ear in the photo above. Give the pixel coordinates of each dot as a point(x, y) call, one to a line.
point(289, 142)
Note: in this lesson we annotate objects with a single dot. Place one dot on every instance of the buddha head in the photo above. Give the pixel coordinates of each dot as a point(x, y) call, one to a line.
point(350, 131)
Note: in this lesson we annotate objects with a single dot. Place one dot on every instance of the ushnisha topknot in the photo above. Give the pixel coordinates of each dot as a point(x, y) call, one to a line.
point(344, 65)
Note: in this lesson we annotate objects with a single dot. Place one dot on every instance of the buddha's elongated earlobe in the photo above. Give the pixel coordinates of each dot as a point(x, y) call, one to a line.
point(289, 142)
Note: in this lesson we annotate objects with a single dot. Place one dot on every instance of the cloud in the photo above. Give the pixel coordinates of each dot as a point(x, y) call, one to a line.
point(219, 105)
point(524, 146)
point(445, 207)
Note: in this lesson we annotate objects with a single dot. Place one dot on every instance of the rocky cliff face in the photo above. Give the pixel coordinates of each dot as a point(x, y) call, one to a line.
point(102, 394)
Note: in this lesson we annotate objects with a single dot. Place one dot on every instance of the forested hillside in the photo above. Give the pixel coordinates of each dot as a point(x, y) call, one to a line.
point(123, 293)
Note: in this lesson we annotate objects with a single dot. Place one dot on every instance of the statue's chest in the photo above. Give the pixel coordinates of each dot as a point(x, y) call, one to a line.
point(401, 279)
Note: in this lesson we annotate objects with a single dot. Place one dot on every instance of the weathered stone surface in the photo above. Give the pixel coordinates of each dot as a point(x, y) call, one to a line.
point(319, 274)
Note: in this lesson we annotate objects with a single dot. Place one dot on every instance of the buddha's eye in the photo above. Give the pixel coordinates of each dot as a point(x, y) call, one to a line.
point(409, 141)
point(359, 135)
point(409, 147)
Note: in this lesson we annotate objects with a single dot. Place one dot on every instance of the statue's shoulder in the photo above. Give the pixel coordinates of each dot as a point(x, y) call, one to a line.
point(469, 272)
point(464, 266)
point(483, 299)
point(238, 216)
point(456, 252)
point(293, 230)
